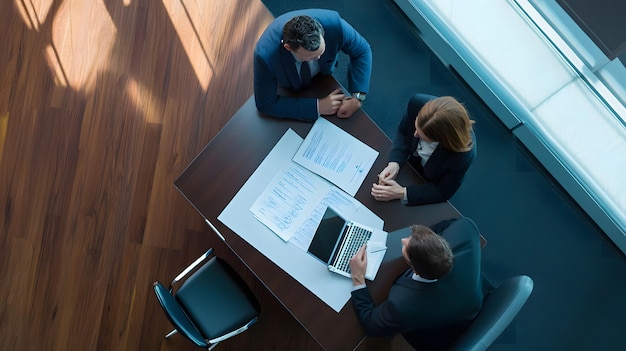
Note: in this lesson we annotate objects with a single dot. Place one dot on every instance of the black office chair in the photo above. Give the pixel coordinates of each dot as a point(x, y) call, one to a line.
point(500, 307)
point(211, 305)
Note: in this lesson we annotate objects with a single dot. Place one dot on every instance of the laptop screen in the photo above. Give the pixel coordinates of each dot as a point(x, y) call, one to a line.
point(326, 235)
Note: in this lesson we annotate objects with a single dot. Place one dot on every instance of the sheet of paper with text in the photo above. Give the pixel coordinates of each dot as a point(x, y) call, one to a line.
point(336, 155)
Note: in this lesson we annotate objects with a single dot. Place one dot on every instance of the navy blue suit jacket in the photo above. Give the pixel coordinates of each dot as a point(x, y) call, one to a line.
point(445, 169)
point(274, 66)
point(431, 315)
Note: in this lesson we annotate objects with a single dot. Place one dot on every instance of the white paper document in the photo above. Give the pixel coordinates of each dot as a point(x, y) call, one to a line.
point(289, 199)
point(376, 249)
point(336, 155)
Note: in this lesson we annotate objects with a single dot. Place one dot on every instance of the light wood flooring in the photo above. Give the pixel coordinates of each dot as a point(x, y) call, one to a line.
point(102, 105)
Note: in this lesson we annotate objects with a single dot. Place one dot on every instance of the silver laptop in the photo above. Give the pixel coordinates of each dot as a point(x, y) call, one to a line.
point(337, 240)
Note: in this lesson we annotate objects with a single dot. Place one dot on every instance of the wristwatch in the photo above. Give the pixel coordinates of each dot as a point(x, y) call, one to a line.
point(359, 96)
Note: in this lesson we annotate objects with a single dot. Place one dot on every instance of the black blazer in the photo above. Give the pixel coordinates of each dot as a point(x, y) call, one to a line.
point(431, 315)
point(445, 169)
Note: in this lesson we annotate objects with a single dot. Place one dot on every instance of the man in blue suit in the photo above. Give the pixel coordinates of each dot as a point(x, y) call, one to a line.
point(299, 45)
point(440, 294)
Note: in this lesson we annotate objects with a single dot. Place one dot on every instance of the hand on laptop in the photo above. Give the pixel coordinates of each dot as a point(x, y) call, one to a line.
point(358, 265)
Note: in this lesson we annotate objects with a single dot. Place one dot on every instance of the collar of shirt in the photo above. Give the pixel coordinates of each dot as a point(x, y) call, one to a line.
point(423, 280)
point(314, 65)
point(425, 149)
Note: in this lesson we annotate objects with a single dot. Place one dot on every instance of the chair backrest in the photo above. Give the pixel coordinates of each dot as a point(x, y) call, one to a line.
point(500, 307)
point(177, 316)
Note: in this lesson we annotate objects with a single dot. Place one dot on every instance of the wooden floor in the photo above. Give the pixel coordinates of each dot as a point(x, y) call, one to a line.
point(102, 105)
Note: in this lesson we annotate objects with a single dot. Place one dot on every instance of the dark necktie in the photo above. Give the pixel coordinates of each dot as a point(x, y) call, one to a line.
point(305, 74)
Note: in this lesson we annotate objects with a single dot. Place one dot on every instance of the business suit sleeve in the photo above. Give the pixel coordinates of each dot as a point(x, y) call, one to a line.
point(270, 103)
point(360, 53)
point(402, 142)
point(450, 178)
point(376, 320)
point(443, 225)
point(460, 232)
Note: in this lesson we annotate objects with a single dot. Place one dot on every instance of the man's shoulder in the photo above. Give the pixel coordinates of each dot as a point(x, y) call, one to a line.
point(415, 104)
point(461, 230)
point(316, 13)
point(463, 224)
point(313, 12)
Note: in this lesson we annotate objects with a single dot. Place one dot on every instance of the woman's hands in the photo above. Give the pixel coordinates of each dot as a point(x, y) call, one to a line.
point(387, 188)
point(390, 172)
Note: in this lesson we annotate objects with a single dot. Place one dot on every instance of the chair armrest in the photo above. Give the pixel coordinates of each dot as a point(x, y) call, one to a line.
point(191, 267)
point(233, 333)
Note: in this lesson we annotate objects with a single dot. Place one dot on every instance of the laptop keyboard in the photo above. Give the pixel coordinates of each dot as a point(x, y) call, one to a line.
point(356, 238)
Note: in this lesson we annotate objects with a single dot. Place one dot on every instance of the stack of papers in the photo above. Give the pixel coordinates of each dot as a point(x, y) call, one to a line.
point(330, 287)
point(293, 202)
point(328, 168)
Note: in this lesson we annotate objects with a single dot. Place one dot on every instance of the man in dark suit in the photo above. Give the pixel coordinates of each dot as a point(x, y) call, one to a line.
point(440, 294)
point(299, 45)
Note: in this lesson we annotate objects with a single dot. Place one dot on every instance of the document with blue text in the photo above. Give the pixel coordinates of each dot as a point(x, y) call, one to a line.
point(334, 154)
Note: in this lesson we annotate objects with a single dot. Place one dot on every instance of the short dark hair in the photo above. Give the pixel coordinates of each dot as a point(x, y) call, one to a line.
point(429, 253)
point(303, 31)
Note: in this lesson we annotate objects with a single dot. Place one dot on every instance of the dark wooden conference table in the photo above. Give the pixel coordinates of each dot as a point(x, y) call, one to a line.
point(225, 164)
